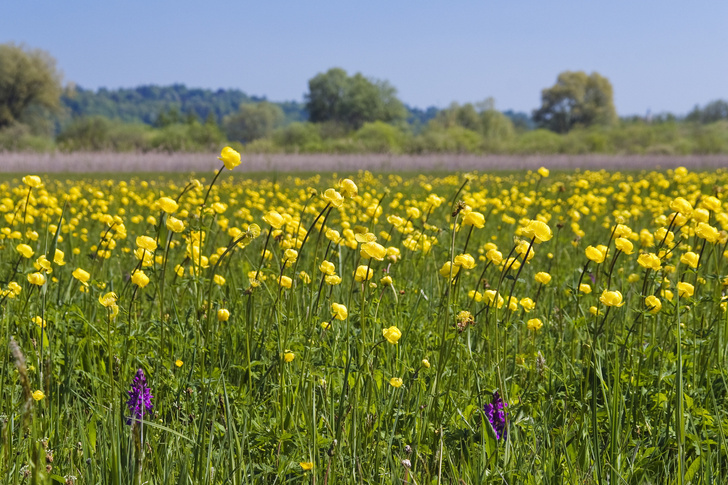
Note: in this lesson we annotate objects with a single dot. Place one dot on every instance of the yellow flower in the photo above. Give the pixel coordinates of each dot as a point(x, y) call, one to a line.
point(595, 254)
point(108, 299)
point(306, 465)
point(649, 261)
point(288, 356)
point(285, 281)
point(492, 298)
point(594, 310)
point(445, 270)
point(339, 311)
point(475, 219)
point(682, 206)
point(25, 250)
point(373, 250)
point(465, 261)
point(229, 157)
point(654, 305)
point(33, 181)
point(689, 258)
point(58, 257)
point(81, 275)
point(392, 334)
point(395, 382)
point(304, 277)
point(332, 280)
point(348, 188)
point(707, 232)
point(327, 267)
point(685, 290)
point(146, 242)
point(363, 273)
point(534, 324)
point(611, 298)
point(219, 280)
point(585, 288)
point(426, 363)
point(37, 279)
point(223, 314)
point(333, 197)
point(542, 277)
point(178, 363)
point(174, 224)
point(38, 395)
point(139, 278)
point(386, 281)
point(494, 256)
point(538, 230)
point(527, 304)
point(624, 245)
point(274, 219)
point(39, 321)
point(543, 171)
point(168, 205)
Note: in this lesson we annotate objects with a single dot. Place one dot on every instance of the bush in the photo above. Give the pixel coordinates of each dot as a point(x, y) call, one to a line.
point(19, 138)
point(539, 141)
point(299, 137)
point(380, 137)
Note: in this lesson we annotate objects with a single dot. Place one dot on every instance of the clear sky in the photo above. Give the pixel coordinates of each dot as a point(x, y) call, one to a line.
point(659, 55)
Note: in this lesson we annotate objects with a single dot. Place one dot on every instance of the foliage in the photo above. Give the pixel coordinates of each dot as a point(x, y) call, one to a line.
point(29, 81)
point(465, 328)
point(577, 99)
point(253, 121)
point(335, 96)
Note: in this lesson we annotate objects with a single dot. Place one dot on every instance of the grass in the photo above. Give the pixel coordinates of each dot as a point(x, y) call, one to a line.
point(277, 389)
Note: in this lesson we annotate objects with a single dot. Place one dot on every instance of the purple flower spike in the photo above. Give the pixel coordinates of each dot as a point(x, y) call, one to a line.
point(496, 414)
point(140, 399)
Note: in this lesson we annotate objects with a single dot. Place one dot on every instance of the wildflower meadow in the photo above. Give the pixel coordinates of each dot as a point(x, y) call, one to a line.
point(531, 327)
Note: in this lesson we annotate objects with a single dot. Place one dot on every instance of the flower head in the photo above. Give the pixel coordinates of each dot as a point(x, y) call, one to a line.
point(611, 298)
point(140, 399)
point(496, 414)
point(229, 157)
point(392, 334)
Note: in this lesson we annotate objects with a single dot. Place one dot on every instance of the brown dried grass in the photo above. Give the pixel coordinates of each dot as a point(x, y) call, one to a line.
point(187, 162)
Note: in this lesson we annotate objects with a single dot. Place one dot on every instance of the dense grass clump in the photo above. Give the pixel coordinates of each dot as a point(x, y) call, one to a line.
point(479, 328)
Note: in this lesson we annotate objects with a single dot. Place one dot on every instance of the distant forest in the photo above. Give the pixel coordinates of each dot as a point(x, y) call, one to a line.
point(340, 113)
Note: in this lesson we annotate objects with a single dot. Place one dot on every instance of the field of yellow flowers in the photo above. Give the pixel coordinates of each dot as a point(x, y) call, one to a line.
point(527, 327)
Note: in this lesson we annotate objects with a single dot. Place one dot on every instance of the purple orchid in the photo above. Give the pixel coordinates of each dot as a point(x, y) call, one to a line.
point(496, 414)
point(140, 399)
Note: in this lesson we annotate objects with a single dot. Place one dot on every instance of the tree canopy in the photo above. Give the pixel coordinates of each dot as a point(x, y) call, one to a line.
point(29, 81)
point(334, 96)
point(577, 99)
point(253, 121)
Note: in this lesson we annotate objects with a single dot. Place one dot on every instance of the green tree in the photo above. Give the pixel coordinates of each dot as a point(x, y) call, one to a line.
point(352, 100)
point(30, 84)
point(577, 99)
point(253, 121)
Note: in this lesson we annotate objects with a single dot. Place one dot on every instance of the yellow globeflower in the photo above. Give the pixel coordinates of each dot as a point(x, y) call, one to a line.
point(58, 257)
point(392, 334)
point(689, 258)
point(174, 224)
point(527, 304)
point(494, 256)
point(445, 270)
point(108, 299)
point(544, 172)
point(25, 250)
point(685, 289)
point(363, 273)
point(327, 267)
point(306, 465)
point(595, 254)
point(81, 275)
point(332, 280)
point(624, 245)
point(37, 279)
point(229, 157)
point(653, 304)
point(682, 206)
point(139, 278)
point(611, 298)
point(475, 219)
point(223, 314)
point(649, 261)
point(168, 205)
point(373, 250)
point(542, 277)
point(288, 356)
point(146, 242)
point(285, 281)
point(178, 363)
point(585, 288)
point(339, 311)
point(534, 324)
point(539, 230)
point(333, 197)
point(465, 261)
point(274, 219)
point(33, 181)
point(38, 395)
point(386, 281)
point(426, 363)
point(707, 232)
point(39, 321)
point(348, 188)
point(395, 382)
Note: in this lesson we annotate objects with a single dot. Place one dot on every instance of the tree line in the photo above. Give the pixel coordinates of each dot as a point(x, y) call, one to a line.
point(341, 113)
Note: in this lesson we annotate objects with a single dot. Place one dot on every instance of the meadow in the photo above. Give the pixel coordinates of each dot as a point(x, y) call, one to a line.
point(532, 326)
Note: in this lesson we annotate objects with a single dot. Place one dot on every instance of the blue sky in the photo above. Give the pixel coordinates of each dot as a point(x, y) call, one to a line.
point(659, 55)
